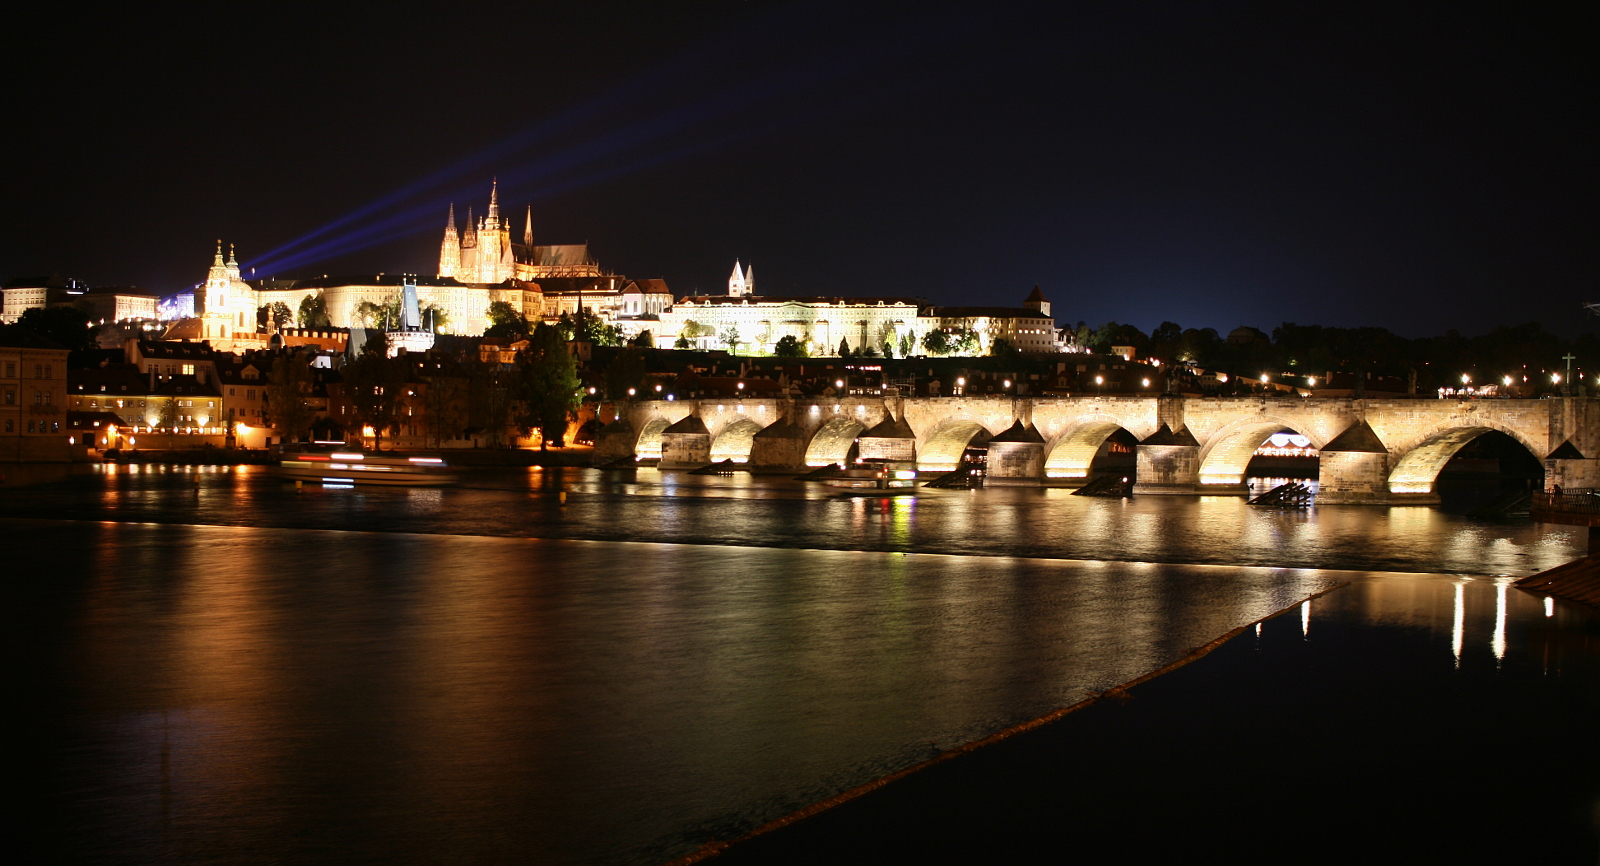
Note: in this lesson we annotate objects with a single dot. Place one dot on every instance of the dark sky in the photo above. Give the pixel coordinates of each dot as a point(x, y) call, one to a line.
point(1416, 167)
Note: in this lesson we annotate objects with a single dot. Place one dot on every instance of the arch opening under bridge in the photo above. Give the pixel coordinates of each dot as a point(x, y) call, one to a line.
point(735, 440)
point(833, 442)
point(1225, 460)
point(944, 448)
point(1075, 452)
point(1418, 469)
point(648, 446)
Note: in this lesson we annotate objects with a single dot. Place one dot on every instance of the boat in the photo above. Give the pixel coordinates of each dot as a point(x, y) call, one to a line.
point(889, 479)
point(353, 467)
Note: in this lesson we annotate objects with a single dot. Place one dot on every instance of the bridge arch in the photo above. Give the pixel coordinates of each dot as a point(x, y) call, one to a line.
point(1421, 459)
point(942, 450)
point(734, 441)
point(832, 442)
point(1225, 457)
point(1072, 453)
point(648, 446)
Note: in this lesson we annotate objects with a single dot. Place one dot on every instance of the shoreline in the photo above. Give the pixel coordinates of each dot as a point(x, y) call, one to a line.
point(1118, 692)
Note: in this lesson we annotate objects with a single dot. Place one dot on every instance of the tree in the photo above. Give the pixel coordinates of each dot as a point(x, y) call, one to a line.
point(277, 312)
point(586, 327)
point(907, 344)
point(888, 348)
point(844, 347)
point(1166, 341)
point(313, 312)
point(548, 385)
point(937, 342)
point(691, 332)
point(374, 315)
point(167, 414)
point(1000, 346)
point(490, 401)
point(643, 340)
point(730, 338)
point(789, 346)
point(436, 318)
point(445, 403)
point(505, 322)
point(289, 383)
point(373, 384)
point(965, 341)
point(68, 326)
point(625, 371)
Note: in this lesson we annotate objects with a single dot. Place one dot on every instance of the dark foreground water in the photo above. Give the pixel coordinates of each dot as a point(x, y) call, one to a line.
point(234, 672)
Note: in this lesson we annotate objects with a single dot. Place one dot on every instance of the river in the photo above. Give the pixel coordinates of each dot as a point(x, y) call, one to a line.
point(219, 668)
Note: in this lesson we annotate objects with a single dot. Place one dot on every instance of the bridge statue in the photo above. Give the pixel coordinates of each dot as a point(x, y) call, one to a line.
point(1384, 451)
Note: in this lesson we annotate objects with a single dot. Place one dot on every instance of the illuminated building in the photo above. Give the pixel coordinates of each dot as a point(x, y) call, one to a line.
point(483, 253)
point(33, 399)
point(821, 323)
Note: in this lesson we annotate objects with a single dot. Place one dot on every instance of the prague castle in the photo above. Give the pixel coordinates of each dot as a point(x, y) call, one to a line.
point(480, 264)
point(483, 253)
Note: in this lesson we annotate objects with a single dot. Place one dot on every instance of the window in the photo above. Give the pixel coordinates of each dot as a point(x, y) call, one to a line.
point(230, 392)
point(250, 393)
point(11, 426)
point(11, 369)
point(30, 427)
point(47, 371)
point(188, 369)
point(38, 371)
point(11, 397)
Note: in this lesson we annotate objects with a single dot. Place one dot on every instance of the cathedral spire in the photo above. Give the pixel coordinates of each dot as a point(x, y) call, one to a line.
point(494, 200)
point(233, 261)
point(217, 262)
point(527, 234)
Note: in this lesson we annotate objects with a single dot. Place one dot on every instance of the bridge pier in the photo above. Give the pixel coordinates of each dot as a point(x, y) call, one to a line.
point(614, 441)
point(780, 446)
point(1167, 469)
point(1168, 462)
point(686, 444)
point(1354, 468)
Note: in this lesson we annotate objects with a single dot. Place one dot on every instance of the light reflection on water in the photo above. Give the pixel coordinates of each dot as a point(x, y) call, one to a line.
point(767, 511)
point(441, 686)
point(399, 693)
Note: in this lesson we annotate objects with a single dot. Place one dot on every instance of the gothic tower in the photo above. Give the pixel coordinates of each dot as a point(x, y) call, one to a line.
point(450, 249)
point(490, 237)
point(738, 285)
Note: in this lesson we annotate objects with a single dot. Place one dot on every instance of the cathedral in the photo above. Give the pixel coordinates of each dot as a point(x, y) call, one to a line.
point(483, 253)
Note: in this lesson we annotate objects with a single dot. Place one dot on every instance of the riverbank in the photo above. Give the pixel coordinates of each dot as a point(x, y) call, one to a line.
point(1397, 720)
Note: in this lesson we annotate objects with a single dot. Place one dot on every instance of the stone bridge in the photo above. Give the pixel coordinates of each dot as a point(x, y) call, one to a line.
point(1371, 451)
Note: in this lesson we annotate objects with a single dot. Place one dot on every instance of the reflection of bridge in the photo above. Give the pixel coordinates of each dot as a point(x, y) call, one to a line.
point(1372, 451)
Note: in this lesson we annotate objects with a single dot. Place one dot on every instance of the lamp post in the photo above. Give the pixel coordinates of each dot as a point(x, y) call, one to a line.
point(1099, 385)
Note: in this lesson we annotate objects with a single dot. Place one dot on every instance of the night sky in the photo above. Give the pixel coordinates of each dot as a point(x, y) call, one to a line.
point(1416, 167)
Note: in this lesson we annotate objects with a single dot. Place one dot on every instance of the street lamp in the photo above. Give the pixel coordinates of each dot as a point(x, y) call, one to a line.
point(1099, 381)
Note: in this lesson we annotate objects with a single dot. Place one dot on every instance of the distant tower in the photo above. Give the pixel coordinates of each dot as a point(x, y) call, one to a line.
point(450, 249)
point(738, 283)
point(494, 243)
point(1036, 301)
point(527, 234)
